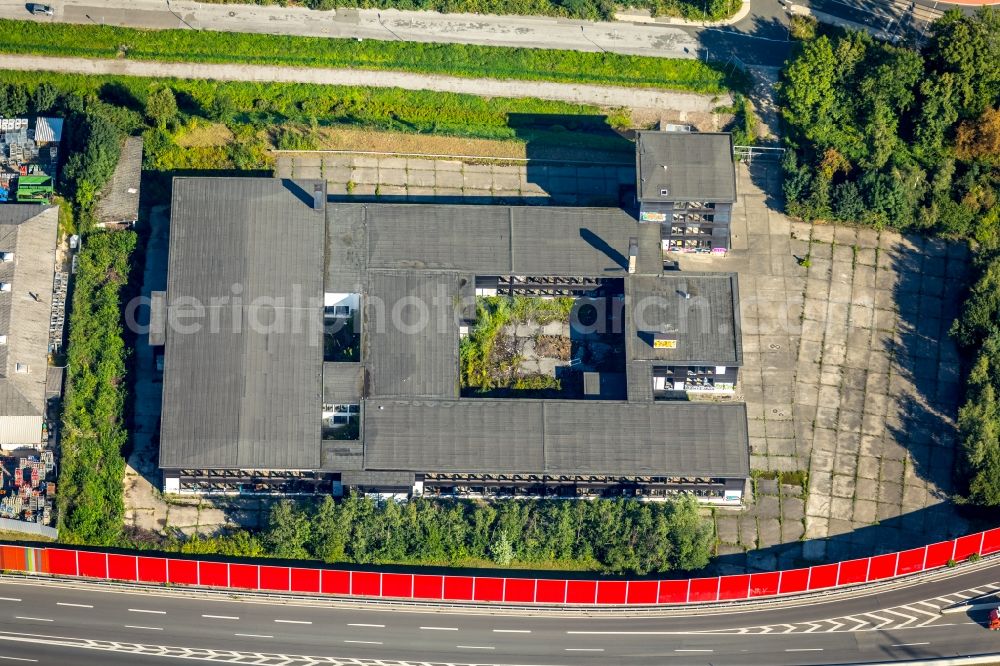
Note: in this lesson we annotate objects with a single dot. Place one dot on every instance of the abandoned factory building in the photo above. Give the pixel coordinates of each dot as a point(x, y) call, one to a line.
point(313, 346)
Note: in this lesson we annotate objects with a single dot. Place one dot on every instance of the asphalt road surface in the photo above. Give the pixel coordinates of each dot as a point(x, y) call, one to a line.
point(56, 624)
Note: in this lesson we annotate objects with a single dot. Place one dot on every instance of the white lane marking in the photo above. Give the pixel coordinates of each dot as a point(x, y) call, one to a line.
point(366, 642)
point(254, 635)
point(10, 599)
point(439, 628)
point(584, 649)
point(692, 650)
point(293, 621)
point(475, 647)
point(627, 633)
point(60, 603)
point(143, 610)
point(803, 649)
point(18, 658)
point(908, 644)
point(135, 626)
point(359, 624)
point(34, 619)
point(220, 617)
point(512, 631)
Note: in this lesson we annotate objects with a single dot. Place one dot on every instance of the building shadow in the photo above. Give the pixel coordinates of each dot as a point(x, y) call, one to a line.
point(761, 42)
point(574, 160)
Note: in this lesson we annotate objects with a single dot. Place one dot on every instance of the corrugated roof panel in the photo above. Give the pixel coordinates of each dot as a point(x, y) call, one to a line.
point(412, 334)
point(244, 389)
point(48, 130)
point(557, 437)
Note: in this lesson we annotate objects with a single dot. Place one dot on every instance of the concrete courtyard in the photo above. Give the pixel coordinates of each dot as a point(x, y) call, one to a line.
point(849, 376)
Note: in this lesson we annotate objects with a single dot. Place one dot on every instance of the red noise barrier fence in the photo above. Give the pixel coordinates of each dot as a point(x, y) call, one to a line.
point(340, 582)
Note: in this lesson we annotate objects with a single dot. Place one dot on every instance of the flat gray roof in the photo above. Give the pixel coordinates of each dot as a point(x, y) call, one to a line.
point(486, 240)
point(343, 382)
point(705, 327)
point(698, 166)
point(418, 236)
point(245, 391)
point(242, 397)
point(28, 235)
point(557, 437)
point(410, 333)
point(119, 202)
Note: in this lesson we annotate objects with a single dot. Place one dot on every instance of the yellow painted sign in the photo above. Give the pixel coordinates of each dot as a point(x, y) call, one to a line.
point(664, 344)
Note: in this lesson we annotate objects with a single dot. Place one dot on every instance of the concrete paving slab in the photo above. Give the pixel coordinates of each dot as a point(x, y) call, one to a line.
point(421, 178)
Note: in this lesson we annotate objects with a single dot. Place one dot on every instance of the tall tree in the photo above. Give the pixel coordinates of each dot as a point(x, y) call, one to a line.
point(968, 47)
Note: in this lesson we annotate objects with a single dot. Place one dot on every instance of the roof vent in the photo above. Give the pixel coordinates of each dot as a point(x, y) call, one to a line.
point(3, 339)
point(6, 257)
point(21, 368)
point(664, 192)
point(4, 286)
point(633, 253)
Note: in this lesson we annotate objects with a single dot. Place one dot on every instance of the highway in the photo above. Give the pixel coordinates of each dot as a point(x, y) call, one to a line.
point(86, 623)
point(757, 36)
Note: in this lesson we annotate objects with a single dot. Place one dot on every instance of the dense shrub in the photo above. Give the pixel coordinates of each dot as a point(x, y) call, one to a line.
point(892, 137)
point(94, 151)
point(91, 505)
point(611, 535)
point(265, 104)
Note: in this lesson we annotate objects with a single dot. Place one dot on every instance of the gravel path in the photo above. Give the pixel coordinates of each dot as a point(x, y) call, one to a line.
point(605, 96)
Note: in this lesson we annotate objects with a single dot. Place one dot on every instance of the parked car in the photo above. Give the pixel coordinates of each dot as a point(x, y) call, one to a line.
point(39, 9)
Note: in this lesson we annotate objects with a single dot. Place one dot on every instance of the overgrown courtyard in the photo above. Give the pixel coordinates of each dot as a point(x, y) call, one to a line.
point(533, 346)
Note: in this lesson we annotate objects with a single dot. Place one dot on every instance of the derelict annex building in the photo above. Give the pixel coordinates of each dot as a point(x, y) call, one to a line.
point(260, 270)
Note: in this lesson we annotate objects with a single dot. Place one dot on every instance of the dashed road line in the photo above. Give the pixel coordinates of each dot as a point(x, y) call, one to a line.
point(908, 644)
point(62, 603)
point(692, 650)
point(584, 649)
point(18, 659)
point(365, 642)
point(803, 649)
point(512, 631)
point(143, 610)
point(294, 621)
point(9, 599)
point(33, 619)
point(439, 628)
point(358, 624)
point(254, 635)
point(136, 626)
point(475, 647)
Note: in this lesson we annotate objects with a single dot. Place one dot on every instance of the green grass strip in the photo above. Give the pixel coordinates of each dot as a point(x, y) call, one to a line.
point(415, 111)
point(464, 60)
